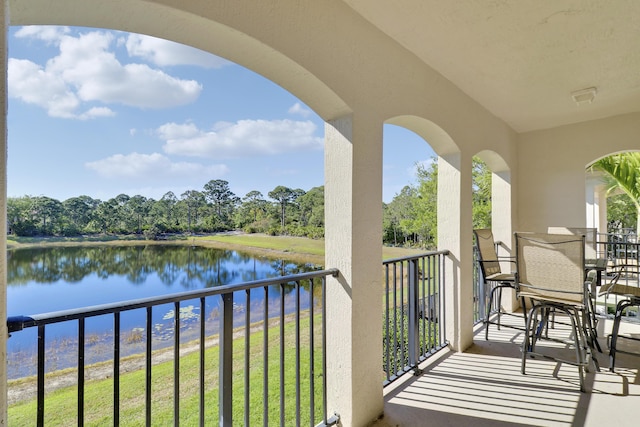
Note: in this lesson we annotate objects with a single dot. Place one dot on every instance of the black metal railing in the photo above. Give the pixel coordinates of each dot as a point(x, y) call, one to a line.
point(621, 251)
point(261, 377)
point(413, 324)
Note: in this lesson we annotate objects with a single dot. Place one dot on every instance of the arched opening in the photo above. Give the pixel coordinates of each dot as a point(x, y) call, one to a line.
point(409, 189)
point(126, 119)
point(184, 128)
point(495, 169)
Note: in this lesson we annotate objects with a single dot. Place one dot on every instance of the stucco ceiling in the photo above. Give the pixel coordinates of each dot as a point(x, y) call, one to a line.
point(523, 59)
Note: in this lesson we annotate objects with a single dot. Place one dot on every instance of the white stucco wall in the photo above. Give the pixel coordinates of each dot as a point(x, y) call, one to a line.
point(551, 168)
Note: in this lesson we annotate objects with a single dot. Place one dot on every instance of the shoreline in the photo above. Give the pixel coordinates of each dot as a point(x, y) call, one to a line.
point(204, 240)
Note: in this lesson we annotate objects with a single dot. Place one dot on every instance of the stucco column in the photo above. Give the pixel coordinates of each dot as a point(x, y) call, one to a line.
point(353, 244)
point(455, 234)
point(603, 223)
point(596, 198)
point(501, 225)
point(3, 216)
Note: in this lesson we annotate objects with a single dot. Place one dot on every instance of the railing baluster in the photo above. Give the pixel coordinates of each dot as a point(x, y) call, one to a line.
point(203, 307)
point(116, 368)
point(226, 361)
point(413, 333)
point(148, 365)
point(297, 353)
point(402, 363)
point(324, 350)
point(441, 297)
point(247, 341)
point(41, 360)
point(265, 360)
point(282, 291)
point(312, 356)
point(423, 307)
point(176, 363)
point(429, 308)
point(81, 371)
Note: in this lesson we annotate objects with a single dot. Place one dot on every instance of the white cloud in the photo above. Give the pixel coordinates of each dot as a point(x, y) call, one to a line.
point(245, 138)
point(298, 109)
point(47, 33)
point(86, 70)
point(152, 167)
point(166, 53)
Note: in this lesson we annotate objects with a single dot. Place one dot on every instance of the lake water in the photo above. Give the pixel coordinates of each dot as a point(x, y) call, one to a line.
point(50, 279)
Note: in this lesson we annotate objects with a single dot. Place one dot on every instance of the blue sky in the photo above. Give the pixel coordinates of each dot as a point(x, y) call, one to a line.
point(99, 113)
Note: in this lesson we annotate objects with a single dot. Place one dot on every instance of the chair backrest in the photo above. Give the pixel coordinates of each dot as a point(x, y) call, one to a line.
point(590, 234)
point(486, 252)
point(551, 266)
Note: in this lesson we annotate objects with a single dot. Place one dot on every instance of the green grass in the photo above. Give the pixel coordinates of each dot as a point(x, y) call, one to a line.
point(299, 245)
point(60, 405)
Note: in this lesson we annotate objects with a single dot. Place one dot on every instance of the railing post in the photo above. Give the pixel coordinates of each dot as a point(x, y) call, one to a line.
point(226, 361)
point(414, 330)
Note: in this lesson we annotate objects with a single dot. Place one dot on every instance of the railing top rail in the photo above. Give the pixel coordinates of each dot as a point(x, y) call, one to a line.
point(414, 257)
point(16, 323)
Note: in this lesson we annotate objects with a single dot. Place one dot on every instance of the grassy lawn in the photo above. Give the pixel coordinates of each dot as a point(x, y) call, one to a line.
point(296, 245)
point(60, 405)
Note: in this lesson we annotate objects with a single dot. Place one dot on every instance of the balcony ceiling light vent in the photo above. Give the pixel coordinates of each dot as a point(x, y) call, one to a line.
point(584, 96)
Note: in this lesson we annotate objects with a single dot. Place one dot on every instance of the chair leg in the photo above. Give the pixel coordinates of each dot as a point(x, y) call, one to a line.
point(524, 310)
point(580, 339)
point(622, 305)
point(488, 313)
point(489, 304)
point(527, 344)
point(499, 305)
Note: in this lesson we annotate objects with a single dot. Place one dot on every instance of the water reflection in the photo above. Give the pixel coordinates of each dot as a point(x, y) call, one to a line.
point(43, 280)
point(186, 266)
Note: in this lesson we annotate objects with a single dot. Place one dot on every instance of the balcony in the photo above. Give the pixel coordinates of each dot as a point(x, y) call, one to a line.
point(423, 378)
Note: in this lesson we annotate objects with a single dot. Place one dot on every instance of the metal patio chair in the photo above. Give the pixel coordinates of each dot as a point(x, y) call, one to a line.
point(491, 271)
point(630, 297)
point(550, 271)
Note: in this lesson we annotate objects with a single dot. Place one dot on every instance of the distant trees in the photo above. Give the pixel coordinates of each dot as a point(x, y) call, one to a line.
point(411, 217)
point(285, 197)
point(215, 208)
point(623, 185)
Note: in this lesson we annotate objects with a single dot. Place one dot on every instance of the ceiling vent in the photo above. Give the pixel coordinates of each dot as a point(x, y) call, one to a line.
point(584, 96)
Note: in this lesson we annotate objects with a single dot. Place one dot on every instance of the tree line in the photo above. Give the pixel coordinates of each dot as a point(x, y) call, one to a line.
point(215, 208)
point(410, 219)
